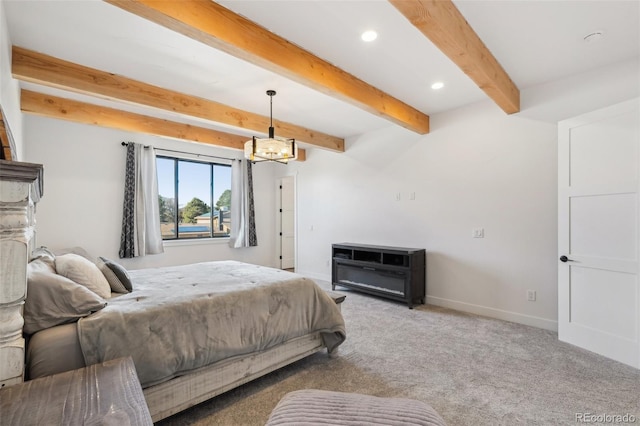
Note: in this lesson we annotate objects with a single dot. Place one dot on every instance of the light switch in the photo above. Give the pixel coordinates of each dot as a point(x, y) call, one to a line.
point(478, 233)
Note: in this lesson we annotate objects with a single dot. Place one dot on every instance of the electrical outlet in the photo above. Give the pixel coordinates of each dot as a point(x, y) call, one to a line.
point(531, 295)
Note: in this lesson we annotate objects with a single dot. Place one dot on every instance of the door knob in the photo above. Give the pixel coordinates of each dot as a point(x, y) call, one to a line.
point(564, 258)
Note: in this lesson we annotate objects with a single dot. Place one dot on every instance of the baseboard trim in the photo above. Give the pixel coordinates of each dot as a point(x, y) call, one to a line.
point(314, 276)
point(486, 311)
point(494, 313)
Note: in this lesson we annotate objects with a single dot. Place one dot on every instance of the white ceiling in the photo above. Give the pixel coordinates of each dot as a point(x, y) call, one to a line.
point(536, 41)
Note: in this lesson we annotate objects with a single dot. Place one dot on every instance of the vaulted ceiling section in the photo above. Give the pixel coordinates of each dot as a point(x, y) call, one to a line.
point(220, 28)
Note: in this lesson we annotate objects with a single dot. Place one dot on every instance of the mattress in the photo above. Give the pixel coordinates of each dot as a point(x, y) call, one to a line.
point(53, 350)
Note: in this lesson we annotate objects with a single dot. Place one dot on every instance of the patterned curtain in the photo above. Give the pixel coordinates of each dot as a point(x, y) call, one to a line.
point(127, 238)
point(253, 237)
point(243, 223)
point(141, 234)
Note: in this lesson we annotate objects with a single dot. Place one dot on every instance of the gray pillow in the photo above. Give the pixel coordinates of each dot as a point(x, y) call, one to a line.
point(116, 274)
point(44, 254)
point(53, 299)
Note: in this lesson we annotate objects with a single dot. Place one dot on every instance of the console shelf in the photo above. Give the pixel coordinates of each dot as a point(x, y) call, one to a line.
point(396, 273)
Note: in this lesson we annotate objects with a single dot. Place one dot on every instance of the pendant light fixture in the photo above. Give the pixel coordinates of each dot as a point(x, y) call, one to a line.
point(281, 150)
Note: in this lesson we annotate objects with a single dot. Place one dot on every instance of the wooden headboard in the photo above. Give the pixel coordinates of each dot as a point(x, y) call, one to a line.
point(20, 189)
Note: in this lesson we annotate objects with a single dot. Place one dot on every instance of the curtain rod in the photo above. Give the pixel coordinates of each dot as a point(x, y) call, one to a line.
point(184, 152)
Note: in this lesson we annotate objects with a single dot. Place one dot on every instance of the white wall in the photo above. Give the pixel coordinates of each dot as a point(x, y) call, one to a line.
point(581, 93)
point(83, 189)
point(9, 90)
point(478, 167)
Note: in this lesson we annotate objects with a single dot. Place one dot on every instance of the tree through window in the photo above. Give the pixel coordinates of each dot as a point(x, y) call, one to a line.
point(187, 191)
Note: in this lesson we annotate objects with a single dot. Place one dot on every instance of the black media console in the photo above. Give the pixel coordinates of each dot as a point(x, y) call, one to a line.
point(394, 272)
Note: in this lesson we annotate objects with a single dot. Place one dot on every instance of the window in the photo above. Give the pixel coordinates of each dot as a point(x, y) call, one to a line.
point(194, 197)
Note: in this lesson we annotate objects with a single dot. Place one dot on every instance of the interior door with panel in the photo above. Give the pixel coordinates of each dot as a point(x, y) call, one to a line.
point(598, 236)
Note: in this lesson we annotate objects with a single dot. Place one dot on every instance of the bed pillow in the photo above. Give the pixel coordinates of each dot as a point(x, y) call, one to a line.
point(75, 250)
point(84, 272)
point(53, 299)
point(43, 253)
point(116, 275)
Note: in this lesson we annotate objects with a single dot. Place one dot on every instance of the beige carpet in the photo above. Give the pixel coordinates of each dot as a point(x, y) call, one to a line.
point(473, 370)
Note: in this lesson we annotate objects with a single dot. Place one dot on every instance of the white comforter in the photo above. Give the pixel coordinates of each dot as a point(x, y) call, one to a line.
point(181, 318)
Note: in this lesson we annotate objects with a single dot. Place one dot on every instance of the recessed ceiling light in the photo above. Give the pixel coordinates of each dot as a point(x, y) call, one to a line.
point(437, 85)
point(369, 35)
point(594, 37)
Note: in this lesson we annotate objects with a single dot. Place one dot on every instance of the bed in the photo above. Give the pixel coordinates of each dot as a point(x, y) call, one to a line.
point(193, 331)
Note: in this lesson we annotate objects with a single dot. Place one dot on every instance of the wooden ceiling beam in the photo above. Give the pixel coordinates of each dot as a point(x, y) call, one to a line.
point(53, 72)
point(444, 25)
point(85, 113)
point(218, 27)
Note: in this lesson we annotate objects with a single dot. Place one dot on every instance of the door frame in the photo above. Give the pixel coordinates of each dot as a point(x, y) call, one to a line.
point(278, 221)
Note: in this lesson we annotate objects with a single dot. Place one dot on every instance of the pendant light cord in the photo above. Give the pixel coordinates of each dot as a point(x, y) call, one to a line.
point(271, 110)
point(271, 93)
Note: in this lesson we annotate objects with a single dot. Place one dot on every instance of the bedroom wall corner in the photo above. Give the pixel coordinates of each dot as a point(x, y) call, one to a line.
point(477, 168)
point(9, 88)
point(578, 94)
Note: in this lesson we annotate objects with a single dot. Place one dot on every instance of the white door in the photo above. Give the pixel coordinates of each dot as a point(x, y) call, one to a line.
point(598, 217)
point(287, 223)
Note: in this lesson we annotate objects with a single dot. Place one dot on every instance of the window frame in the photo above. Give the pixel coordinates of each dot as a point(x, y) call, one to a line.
point(177, 239)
